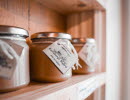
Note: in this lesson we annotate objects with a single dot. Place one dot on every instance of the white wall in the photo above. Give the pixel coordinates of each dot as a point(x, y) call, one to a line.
point(113, 50)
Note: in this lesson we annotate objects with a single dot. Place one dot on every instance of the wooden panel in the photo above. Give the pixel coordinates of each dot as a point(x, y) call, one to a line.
point(14, 13)
point(100, 36)
point(69, 6)
point(81, 25)
point(44, 19)
point(87, 24)
point(73, 24)
point(30, 15)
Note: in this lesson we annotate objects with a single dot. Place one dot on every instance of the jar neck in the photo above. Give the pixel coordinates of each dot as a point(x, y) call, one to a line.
point(78, 44)
point(13, 38)
point(45, 40)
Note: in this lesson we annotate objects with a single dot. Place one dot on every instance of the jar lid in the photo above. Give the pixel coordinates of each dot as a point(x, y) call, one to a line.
point(57, 35)
point(12, 30)
point(83, 40)
point(91, 40)
point(79, 40)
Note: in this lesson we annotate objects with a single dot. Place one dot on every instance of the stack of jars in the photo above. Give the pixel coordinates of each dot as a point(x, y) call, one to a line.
point(53, 57)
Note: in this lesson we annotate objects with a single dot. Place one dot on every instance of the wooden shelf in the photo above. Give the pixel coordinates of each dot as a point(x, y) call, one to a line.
point(70, 6)
point(76, 88)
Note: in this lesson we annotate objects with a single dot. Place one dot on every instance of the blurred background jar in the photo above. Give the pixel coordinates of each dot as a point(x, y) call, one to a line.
point(42, 68)
point(88, 55)
point(14, 58)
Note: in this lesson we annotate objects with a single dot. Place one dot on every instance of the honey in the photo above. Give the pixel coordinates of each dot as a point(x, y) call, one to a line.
point(78, 44)
point(42, 68)
point(87, 67)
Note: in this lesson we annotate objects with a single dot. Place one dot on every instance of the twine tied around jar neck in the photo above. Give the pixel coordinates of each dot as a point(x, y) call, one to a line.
point(74, 52)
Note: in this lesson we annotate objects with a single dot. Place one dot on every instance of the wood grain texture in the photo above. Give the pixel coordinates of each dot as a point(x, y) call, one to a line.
point(87, 24)
point(71, 6)
point(73, 25)
point(31, 15)
point(14, 13)
point(81, 25)
point(67, 90)
point(100, 36)
point(44, 19)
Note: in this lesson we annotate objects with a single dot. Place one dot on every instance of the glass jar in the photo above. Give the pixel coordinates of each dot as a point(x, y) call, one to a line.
point(79, 43)
point(42, 68)
point(14, 58)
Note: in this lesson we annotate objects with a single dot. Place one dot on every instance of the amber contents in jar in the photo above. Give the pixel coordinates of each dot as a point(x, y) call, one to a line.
point(78, 43)
point(16, 43)
point(42, 68)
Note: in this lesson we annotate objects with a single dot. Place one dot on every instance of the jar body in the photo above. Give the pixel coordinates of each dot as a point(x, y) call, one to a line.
point(20, 77)
point(84, 69)
point(42, 68)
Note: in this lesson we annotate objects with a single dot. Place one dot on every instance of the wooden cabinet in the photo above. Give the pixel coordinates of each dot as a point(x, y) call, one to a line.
point(80, 18)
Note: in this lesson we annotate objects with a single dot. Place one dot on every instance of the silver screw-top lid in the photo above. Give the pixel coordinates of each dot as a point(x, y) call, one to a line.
point(83, 40)
point(12, 30)
point(57, 35)
point(79, 40)
point(91, 40)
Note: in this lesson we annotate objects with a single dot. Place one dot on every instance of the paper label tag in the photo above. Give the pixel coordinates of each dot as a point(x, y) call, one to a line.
point(89, 55)
point(8, 57)
point(62, 54)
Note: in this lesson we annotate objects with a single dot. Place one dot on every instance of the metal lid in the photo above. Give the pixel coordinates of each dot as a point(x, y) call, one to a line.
point(79, 40)
point(12, 30)
point(57, 35)
point(91, 40)
point(83, 40)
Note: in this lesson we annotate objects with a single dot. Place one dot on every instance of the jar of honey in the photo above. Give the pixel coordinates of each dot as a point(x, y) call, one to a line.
point(14, 58)
point(42, 67)
point(87, 52)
